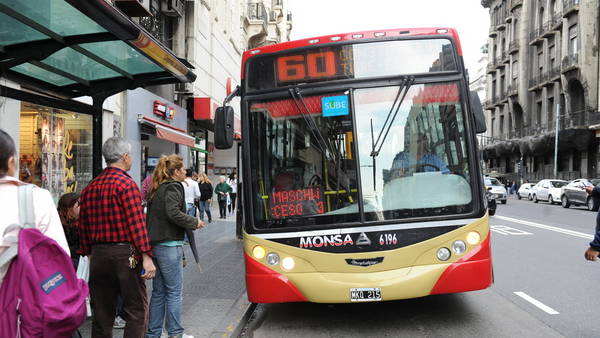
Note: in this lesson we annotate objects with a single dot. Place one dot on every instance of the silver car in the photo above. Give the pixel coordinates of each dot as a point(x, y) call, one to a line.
point(498, 189)
point(526, 191)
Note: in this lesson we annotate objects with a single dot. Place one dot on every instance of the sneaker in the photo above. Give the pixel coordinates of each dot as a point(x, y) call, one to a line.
point(119, 323)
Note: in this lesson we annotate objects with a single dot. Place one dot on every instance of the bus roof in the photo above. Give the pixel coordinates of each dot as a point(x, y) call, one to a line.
point(374, 34)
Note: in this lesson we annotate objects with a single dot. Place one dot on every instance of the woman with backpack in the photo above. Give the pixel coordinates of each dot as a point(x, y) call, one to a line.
point(167, 220)
point(206, 193)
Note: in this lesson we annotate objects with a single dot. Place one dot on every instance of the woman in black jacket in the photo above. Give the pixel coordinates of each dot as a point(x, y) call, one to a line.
point(167, 221)
point(206, 192)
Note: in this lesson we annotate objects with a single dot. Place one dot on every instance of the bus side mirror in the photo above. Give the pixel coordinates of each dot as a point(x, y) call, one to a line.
point(477, 110)
point(224, 127)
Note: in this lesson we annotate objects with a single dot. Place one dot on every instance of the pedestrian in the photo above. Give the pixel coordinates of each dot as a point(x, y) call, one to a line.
point(206, 193)
point(113, 231)
point(192, 192)
point(47, 219)
point(233, 183)
point(222, 190)
point(591, 254)
point(146, 183)
point(513, 188)
point(68, 210)
point(167, 221)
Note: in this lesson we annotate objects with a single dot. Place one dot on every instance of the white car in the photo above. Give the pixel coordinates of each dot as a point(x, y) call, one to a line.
point(498, 189)
point(526, 191)
point(548, 190)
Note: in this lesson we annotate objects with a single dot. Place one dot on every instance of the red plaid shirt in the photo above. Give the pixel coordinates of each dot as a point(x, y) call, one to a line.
point(111, 212)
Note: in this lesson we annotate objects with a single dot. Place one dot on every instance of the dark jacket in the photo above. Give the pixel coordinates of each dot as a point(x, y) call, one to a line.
point(167, 218)
point(222, 187)
point(206, 191)
point(596, 242)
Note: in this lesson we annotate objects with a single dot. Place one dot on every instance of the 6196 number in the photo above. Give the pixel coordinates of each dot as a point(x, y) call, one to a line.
point(388, 239)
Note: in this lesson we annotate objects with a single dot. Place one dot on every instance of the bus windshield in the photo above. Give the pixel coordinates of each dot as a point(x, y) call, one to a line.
point(317, 161)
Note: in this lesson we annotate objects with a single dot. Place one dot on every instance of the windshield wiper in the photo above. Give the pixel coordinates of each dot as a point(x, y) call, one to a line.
point(376, 145)
point(310, 122)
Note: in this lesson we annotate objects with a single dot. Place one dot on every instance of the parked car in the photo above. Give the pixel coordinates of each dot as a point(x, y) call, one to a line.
point(498, 189)
point(548, 190)
point(575, 194)
point(525, 191)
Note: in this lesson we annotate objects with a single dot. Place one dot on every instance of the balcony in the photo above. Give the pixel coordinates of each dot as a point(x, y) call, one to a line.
point(491, 69)
point(493, 31)
point(570, 6)
point(498, 62)
point(534, 82)
point(570, 62)
point(512, 90)
point(548, 31)
point(557, 21)
point(256, 24)
point(513, 47)
point(154, 24)
point(515, 3)
point(581, 119)
point(535, 36)
point(554, 73)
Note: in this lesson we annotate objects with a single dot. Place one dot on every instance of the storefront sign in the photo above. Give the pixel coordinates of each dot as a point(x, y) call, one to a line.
point(163, 110)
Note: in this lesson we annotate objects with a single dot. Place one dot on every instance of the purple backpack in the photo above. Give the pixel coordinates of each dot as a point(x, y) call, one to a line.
point(40, 294)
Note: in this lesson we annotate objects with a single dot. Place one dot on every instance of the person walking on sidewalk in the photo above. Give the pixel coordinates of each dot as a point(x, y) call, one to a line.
point(167, 221)
point(222, 190)
point(113, 231)
point(206, 193)
point(233, 183)
point(191, 191)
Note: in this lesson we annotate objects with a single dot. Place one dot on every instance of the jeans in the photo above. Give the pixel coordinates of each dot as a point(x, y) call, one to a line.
point(167, 288)
point(233, 197)
point(204, 206)
point(191, 209)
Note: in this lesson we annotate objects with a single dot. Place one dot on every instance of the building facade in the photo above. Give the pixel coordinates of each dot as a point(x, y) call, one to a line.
point(542, 82)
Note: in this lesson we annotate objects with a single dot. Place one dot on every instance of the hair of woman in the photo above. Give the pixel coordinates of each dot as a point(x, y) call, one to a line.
point(7, 150)
point(65, 203)
point(165, 169)
point(204, 178)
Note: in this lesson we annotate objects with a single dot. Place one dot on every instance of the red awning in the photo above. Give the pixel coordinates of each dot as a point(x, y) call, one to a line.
point(169, 133)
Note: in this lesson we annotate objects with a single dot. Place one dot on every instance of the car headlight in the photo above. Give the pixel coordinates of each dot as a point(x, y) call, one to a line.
point(288, 263)
point(473, 237)
point(259, 252)
point(272, 258)
point(459, 247)
point(443, 254)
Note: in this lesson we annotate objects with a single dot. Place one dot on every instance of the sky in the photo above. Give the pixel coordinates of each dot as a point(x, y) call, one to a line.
point(322, 17)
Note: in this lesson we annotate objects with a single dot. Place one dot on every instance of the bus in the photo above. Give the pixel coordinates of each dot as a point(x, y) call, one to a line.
point(361, 179)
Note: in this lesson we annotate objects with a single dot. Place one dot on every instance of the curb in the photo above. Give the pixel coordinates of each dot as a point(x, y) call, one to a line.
point(236, 318)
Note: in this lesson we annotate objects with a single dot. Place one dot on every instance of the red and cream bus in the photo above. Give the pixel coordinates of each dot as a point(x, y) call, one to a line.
point(361, 177)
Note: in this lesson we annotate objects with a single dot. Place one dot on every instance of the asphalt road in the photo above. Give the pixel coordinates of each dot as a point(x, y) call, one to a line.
point(543, 288)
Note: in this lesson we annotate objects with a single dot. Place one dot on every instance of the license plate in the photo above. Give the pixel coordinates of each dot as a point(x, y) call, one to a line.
point(365, 294)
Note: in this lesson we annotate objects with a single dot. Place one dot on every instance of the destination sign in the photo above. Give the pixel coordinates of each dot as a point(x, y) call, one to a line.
point(298, 202)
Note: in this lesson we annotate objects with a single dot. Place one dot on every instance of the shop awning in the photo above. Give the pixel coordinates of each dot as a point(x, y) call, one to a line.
point(168, 133)
point(72, 48)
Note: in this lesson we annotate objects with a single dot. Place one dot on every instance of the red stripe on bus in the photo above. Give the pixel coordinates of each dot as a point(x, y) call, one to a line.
point(264, 285)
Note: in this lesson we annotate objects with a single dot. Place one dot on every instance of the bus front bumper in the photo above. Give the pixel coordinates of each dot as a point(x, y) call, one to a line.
point(473, 272)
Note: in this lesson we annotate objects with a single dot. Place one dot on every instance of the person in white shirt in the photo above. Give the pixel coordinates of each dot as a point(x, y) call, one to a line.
point(46, 216)
point(192, 192)
point(232, 181)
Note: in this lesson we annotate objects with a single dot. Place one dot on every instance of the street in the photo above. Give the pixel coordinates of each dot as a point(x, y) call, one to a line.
point(543, 288)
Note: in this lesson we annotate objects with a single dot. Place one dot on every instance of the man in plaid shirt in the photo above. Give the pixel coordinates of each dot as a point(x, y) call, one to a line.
point(113, 232)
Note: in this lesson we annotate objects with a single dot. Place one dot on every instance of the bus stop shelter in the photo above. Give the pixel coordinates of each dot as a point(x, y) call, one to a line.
point(57, 50)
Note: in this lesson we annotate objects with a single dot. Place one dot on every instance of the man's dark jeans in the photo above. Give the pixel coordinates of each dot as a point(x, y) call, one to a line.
point(111, 276)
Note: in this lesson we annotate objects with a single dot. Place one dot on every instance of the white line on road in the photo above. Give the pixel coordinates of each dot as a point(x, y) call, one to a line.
point(504, 230)
point(547, 227)
point(537, 303)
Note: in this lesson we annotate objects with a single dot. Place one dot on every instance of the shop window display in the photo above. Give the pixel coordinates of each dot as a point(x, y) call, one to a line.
point(55, 149)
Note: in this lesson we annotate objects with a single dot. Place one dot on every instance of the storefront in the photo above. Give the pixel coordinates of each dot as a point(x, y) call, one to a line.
point(155, 127)
point(55, 148)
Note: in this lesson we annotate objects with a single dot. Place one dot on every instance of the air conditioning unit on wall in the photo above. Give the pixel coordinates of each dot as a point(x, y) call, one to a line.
point(172, 7)
point(134, 8)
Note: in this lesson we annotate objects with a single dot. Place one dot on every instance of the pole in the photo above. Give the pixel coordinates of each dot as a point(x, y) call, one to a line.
point(557, 127)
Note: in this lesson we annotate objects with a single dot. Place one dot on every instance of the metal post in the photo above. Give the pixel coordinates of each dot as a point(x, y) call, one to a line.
point(557, 127)
point(97, 126)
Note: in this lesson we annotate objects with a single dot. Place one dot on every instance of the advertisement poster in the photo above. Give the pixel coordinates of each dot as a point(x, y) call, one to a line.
point(53, 160)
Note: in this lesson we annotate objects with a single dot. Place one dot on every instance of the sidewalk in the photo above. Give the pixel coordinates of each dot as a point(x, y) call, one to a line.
point(214, 299)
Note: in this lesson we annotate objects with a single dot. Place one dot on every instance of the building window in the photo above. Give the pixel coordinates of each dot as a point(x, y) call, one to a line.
point(550, 113)
point(538, 112)
point(573, 43)
point(501, 127)
point(552, 54)
point(515, 71)
point(540, 61)
point(55, 149)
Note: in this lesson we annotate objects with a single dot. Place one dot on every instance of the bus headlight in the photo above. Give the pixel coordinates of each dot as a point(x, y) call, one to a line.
point(473, 237)
point(259, 252)
point(459, 247)
point(443, 254)
point(288, 263)
point(272, 258)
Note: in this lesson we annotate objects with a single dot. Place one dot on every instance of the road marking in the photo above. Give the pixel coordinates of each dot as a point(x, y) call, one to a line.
point(504, 230)
point(547, 227)
point(537, 303)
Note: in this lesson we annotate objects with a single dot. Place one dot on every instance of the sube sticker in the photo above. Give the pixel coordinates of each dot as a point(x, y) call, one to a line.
point(335, 106)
